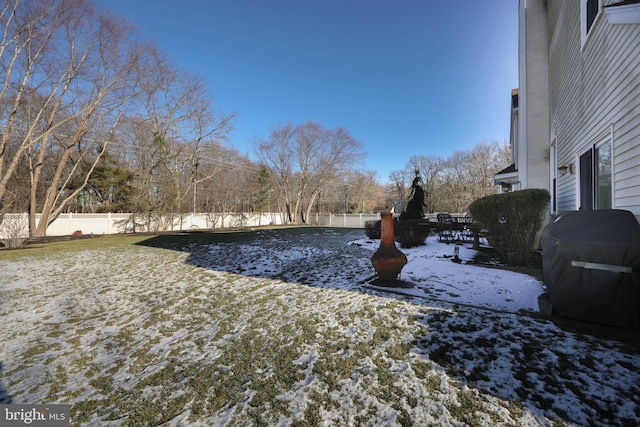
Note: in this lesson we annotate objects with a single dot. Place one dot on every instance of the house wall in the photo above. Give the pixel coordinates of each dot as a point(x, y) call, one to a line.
point(533, 159)
point(594, 94)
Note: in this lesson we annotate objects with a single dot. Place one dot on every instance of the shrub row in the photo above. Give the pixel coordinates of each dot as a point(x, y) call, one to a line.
point(408, 233)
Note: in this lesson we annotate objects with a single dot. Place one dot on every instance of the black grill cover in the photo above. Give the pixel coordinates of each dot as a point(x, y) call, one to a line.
point(606, 240)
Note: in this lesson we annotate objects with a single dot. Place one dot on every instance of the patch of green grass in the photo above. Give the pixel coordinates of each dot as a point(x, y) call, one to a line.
point(404, 418)
point(422, 369)
point(35, 349)
point(57, 382)
point(399, 351)
point(387, 389)
point(45, 249)
point(466, 407)
point(102, 384)
point(515, 409)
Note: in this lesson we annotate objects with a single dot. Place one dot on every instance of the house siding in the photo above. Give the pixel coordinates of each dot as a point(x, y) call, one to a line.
point(594, 94)
point(533, 161)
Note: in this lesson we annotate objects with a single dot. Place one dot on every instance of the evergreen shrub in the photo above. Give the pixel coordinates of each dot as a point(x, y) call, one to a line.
point(373, 229)
point(512, 221)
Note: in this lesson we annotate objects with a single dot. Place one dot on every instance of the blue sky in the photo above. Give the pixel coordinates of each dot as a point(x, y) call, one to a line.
point(405, 77)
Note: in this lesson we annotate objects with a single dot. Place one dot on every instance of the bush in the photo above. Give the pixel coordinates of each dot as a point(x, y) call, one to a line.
point(512, 221)
point(372, 229)
point(411, 232)
point(408, 233)
point(14, 231)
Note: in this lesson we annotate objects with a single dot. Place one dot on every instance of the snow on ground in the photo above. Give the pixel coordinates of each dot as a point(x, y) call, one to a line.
point(280, 327)
point(434, 276)
point(429, 269)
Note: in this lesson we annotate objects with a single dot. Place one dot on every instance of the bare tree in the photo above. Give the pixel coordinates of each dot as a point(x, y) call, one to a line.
point(429, 169)
point(178, 108)
point(360, 186)
point(277, 153)
point(69, 67)
point(324, 154)
point(399, 188)
point(228, 188)
point(485, 160)
point(305, 159)
point(468, 175)
point(71, 71)
point(28, 31)
point(456, 182)
point(451, 184)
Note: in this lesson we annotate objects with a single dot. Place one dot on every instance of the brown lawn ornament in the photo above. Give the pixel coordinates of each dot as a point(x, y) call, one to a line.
point(388, 260)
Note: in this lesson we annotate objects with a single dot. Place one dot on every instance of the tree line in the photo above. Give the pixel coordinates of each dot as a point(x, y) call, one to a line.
point(451, 184)
point(92, 117)
point(95, 119)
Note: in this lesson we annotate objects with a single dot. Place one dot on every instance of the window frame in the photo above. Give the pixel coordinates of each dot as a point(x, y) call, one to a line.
point(586, 27)
point(588, 179)
point(553, 175)
point(597, 198)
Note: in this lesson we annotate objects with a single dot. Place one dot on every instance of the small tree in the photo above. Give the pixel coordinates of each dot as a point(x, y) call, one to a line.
point(14, 231)
point(108, 188)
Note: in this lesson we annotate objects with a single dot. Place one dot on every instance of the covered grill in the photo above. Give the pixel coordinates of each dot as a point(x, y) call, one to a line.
point(591, 266)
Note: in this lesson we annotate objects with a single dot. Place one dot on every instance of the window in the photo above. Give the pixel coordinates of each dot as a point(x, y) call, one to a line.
point(553, 177)
point(595, 177)
point(589, 10)
point(602, 176)
point(586, 181)
point(592, 11)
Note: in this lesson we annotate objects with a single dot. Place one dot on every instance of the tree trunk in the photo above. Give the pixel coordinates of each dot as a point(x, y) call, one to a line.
point(312, 200)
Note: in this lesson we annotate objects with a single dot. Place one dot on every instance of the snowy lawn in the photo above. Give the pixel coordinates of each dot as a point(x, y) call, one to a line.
point(280, 327)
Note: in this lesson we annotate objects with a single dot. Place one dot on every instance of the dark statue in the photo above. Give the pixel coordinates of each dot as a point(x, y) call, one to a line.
point(416, 203)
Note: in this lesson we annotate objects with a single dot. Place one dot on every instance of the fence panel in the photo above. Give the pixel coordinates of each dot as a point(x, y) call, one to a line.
point(346, 220)
point(113, 223)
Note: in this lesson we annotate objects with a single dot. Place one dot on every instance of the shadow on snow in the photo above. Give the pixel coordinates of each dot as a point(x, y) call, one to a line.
point(514, 357)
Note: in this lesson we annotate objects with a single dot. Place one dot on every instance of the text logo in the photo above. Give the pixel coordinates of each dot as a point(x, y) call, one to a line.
point(34, 415)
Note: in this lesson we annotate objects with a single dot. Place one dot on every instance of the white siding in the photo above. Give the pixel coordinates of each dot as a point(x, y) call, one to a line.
point(594, 93)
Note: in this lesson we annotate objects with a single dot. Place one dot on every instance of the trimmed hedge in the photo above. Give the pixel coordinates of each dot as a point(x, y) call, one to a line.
point(512, 221)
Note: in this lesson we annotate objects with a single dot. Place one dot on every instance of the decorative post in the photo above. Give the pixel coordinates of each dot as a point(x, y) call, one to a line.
point(388, 260)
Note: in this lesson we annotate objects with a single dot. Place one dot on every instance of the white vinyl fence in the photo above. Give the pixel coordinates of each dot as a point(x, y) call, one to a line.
point(16, 225)
point(346, 220)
